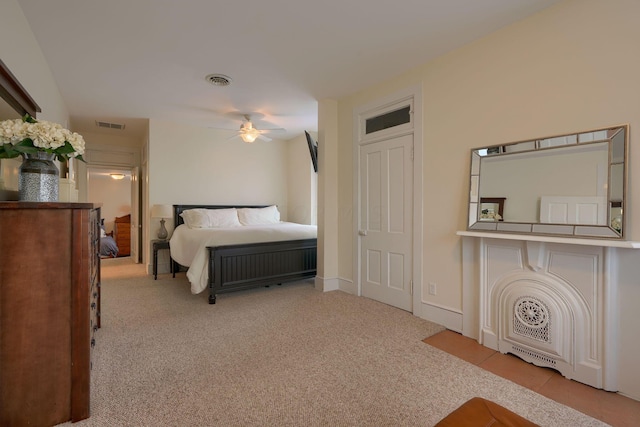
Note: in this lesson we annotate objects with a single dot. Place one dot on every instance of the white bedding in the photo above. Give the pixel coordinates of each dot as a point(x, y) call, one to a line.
point(189, 245)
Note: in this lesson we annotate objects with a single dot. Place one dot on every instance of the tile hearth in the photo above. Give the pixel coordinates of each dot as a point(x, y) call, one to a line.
point(611, 408)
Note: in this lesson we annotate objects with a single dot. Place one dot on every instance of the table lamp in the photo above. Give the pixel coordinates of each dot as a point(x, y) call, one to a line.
point(162, 212)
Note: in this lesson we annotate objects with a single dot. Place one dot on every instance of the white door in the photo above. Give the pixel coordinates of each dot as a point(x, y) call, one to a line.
point(386, 221)
point(135, 215)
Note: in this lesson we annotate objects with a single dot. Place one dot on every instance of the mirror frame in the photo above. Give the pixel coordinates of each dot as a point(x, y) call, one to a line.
point(562, 230)
point(15, 94)
point(17, 97)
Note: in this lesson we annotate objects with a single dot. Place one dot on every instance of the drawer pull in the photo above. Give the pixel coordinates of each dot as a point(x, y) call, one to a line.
point(93, 342)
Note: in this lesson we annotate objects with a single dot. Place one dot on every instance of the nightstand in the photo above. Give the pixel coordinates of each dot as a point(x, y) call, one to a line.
point(159, 245)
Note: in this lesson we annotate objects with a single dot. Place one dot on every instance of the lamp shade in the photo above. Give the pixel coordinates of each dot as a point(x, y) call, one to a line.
point(161, 211)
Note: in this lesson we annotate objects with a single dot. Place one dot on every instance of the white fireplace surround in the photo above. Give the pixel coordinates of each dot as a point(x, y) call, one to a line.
point(548, 300)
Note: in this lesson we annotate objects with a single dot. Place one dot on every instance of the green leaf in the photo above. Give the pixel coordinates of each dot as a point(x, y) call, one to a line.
point(8, 152)
point(28, 119)
point(25, 149)
point(67, 148)
point(27, 142)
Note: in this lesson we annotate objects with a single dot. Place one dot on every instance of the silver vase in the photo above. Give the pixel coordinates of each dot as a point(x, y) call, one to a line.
point(38, 181)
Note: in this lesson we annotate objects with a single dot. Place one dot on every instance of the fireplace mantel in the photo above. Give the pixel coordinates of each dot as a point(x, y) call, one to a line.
point(553, 239)
point(571, 283)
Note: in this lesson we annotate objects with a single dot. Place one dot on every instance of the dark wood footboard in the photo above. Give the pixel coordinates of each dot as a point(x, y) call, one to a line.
point(245, 266)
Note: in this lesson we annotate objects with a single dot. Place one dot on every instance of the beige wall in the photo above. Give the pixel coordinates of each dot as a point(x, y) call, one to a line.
point(20, 51)
point(569, 68)
point(550, 74)
point(197, 165)
point(302, 181)
point(328, 276)
point(190, 165)
point(27, 63)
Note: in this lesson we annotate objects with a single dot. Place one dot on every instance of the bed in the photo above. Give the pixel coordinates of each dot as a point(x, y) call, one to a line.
point(248, 253)
point(108, 246)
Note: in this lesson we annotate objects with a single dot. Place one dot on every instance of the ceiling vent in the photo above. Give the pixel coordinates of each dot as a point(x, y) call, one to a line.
point(218, 79)
point(107, 125)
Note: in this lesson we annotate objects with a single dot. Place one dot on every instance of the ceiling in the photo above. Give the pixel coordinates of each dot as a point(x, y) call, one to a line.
point(125, 61)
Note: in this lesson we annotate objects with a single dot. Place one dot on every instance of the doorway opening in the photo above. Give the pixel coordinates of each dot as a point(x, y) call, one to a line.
point(112, 189)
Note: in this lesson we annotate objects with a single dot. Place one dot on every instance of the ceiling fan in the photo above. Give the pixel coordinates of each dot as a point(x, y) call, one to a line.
point(249, 133)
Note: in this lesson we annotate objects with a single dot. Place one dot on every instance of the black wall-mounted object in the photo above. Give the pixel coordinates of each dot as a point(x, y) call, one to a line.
point(313, 150)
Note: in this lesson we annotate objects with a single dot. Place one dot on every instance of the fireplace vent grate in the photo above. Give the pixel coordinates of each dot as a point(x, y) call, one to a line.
point(542, 358)
point(531, 319)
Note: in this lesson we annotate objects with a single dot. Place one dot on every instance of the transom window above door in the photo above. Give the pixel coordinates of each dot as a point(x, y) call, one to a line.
point(381, 122)
point(388, 120)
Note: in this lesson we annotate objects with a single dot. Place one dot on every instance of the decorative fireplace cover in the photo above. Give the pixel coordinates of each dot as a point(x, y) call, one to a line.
point(544, 302)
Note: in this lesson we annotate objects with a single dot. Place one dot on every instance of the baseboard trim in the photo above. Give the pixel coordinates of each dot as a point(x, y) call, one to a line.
point(445, 316)
point(327, 284)
point(448, 317)
point(347, 286)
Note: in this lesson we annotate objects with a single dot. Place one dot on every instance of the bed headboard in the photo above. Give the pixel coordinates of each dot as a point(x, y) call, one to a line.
point(178, 209)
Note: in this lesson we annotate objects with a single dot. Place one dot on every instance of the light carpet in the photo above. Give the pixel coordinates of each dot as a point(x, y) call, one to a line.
point(280, 356)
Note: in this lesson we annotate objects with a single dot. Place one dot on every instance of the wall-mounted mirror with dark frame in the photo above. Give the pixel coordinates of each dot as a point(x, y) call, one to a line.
point(566, 185)
point(15, 102)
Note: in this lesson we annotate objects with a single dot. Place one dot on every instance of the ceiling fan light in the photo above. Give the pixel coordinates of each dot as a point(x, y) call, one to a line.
point(249, 135)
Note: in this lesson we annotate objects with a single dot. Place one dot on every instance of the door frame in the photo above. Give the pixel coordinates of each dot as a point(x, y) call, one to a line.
point(409, 96)
point(136, 229)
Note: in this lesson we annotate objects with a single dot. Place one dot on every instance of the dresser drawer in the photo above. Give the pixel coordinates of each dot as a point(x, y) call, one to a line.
point(122, 234)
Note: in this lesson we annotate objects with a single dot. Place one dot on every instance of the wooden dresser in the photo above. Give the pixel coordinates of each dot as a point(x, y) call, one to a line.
point(49, 310)
point(122, 234)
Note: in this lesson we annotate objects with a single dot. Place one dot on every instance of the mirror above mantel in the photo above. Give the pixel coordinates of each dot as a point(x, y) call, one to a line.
point(571, 185)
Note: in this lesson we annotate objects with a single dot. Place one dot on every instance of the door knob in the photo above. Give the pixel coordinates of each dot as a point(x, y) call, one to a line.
point(362, 232)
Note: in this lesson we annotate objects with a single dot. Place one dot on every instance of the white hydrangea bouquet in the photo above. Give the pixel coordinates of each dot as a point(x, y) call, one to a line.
point(28, 135)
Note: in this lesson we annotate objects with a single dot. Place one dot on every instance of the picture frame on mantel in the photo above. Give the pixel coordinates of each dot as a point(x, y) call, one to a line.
point(492, 208)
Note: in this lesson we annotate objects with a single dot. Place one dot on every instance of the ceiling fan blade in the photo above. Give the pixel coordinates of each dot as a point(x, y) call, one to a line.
point(264, 138)
point(275, 130)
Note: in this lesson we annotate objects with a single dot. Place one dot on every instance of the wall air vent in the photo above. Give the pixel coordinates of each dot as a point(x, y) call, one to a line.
point(107, 125)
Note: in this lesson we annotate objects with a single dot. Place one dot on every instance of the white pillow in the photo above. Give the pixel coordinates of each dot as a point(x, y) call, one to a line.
point(196, 218)
point(223, 218)
point(259, 216)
